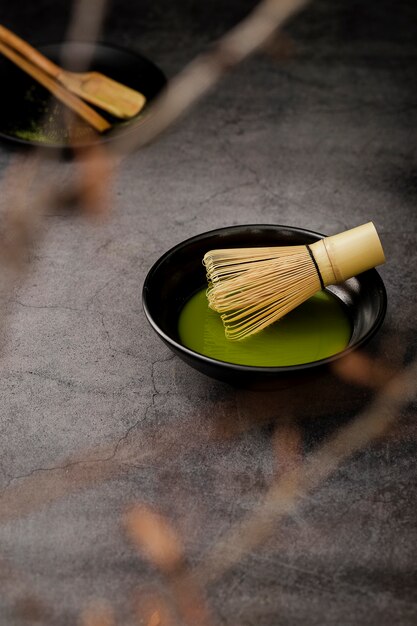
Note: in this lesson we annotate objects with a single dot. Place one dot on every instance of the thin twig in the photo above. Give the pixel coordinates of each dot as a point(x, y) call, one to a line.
point(286, 495)
point(202, 74)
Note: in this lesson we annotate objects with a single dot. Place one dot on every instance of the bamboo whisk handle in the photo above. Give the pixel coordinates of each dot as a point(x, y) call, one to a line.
point(352, 252)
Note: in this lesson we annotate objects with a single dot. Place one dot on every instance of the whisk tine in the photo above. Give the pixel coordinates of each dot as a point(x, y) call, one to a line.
point(253, 287)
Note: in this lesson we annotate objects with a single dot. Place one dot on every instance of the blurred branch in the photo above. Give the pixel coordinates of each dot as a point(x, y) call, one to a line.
point(153, 535)
point(287, 493)
point(86, 20)
point(155, 539)
point(26, 198)
point(95, 165)
point(98, 613)
point(207, 69)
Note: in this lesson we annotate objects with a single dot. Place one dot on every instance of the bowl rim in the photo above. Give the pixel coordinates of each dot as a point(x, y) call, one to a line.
point(256, 369)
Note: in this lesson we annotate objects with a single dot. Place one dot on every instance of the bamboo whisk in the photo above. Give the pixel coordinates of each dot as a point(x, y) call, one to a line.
point(253, 287)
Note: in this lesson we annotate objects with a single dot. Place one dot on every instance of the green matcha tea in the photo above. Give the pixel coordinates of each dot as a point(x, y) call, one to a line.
point(315, 330)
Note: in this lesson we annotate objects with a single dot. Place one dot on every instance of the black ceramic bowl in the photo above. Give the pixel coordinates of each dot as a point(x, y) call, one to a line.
point(30, 117)
point(179, 273)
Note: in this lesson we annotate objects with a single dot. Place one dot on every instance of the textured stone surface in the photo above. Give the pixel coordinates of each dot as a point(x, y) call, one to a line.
point(96, 414)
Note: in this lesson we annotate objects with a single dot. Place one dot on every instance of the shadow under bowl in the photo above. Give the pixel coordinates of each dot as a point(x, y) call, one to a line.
point(179, 274)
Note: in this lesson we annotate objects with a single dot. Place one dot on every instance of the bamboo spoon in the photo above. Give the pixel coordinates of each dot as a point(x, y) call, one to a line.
point(72, 101)
point(100, 90)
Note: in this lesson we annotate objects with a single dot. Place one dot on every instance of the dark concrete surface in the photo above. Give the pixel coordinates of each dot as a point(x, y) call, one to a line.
point(97, 415)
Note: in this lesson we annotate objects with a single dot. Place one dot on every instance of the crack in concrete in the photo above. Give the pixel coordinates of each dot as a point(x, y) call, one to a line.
point(46, 306)
point(257, 179)
point(356, 102)
point(103, 246)
point(215, 195)
point(116, 447)
point(155, 393)
point(96, 293)
point(85, 461)
point(54, 468)
point(106, 332)
point(114, 350)
point(71, 385)
point(83, 310)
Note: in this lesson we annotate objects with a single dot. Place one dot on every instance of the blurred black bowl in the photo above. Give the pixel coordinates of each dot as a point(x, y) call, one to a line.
point(29, 116)
point(179, 273)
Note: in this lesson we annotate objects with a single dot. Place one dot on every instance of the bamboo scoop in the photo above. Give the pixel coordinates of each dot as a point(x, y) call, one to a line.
point(100, 90)
point(72, 101)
